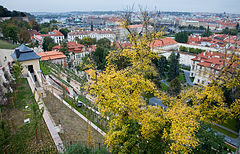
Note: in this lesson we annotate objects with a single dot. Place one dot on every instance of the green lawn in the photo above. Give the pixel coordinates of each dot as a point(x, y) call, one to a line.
point(23, 140)
point(163, 77)
point(45, 68)
point(230, 148)
point(231, 124)
point(181, 78)
point(164, 87)
point(192, 79)
point(6, 45)
point(230, 134)
point(84, 99)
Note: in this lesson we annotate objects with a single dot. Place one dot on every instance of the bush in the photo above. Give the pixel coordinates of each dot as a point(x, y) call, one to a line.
point(191, 50)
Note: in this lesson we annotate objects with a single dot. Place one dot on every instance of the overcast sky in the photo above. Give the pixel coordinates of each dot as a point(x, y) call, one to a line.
point(220, 6)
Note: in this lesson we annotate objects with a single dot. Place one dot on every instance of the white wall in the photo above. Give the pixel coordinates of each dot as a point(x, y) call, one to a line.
point(35, 64)
point(196, 46)
point(5, 53)
point(184, 58)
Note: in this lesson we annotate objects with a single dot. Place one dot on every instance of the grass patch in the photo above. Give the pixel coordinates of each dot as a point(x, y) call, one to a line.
point(163, 87)
point(63, 81)
point(231, 147)
point(181, 78)
point(163, 77)
point(231, 124)
point(230, 134)
point(192, 79)
point(45, 68)
point(22, 94)
point(84, 99)
point(7, 45)
point(23, 139)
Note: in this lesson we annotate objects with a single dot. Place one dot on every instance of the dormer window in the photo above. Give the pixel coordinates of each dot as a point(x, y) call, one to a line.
point(212, 65)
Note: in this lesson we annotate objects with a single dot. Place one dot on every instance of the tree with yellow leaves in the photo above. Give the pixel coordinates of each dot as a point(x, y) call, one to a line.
point(134, 126)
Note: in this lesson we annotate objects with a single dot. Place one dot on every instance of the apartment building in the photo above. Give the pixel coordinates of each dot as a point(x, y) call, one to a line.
point(205, 66)
point(57, 36)
point(92, 34)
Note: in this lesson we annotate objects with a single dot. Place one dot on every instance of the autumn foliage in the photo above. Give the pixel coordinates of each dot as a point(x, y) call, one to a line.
point(135, 126)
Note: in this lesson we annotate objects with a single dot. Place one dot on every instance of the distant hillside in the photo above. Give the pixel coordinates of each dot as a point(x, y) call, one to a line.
point(4, 12)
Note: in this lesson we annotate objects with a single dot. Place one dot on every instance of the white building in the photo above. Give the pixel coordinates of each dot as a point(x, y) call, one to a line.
point(57, 36)
point(92, 34)
point(122, 33)
point(205, 66)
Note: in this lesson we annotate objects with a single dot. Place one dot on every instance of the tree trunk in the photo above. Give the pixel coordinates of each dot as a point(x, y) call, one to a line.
point(36, 135)
point(41, 133)
point(5, 149)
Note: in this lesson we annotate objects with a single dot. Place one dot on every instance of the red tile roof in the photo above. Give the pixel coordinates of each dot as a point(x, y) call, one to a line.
point(91, 48)
point(123, 45)
point(162, 42)
point(57, 47)
point(51, 55)
point(53, 33)
point(210, 59)
point(72, 47)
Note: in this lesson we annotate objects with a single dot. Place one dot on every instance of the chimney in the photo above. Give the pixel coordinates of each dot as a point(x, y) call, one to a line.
point(17, 53)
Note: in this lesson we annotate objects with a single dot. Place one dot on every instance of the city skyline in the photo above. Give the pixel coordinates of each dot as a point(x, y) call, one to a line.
point(213, 6)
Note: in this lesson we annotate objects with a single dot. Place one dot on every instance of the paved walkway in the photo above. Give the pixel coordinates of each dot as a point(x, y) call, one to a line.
point(188, 80)
point(52, 129)
point(165, 81)
point(233, 141)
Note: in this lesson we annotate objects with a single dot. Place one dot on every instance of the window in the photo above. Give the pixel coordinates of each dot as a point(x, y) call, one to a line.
point(202, 82)
point(198, 80)
point(200, 67)
point(192, 74)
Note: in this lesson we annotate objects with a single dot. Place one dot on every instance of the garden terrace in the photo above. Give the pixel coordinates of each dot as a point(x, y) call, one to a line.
point(19, 137)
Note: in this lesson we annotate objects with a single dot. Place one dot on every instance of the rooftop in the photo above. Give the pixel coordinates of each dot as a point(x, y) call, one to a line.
point(23, 53)
point(51, 55)
point(163, 42)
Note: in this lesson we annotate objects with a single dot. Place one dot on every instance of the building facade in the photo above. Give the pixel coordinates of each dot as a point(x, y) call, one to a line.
point(92, 34)
point(54, 57)
point(57, 36)
point(206, 66)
